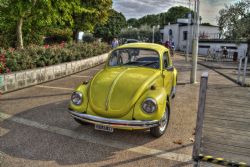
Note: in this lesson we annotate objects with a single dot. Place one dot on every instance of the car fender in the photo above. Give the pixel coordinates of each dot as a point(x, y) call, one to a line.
point(160, 95)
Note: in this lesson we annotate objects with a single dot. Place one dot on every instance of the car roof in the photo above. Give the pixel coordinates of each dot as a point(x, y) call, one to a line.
point(153, 46)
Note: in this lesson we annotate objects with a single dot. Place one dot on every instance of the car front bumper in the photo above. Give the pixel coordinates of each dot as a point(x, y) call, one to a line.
point(114, 123)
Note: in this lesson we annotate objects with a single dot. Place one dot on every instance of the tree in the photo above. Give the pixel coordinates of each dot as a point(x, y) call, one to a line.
point(113, 27)
point(170, 16)
point(87, 21)
point(16, 12)
point(29, 17)
point(144, 33)
point(175, 13)
point(133, 22)
point(150, 20)
point(234, 21)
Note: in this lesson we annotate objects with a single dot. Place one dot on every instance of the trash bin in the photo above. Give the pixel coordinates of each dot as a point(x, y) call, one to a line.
point(235, 56)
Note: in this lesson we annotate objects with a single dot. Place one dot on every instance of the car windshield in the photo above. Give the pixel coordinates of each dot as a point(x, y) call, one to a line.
point(134, 57)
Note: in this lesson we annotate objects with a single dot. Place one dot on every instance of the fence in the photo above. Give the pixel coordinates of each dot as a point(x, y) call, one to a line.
point(17, 80)
point(220, 57)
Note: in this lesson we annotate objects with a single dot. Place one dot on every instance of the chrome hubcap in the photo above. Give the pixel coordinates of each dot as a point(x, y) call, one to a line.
point(164, 122)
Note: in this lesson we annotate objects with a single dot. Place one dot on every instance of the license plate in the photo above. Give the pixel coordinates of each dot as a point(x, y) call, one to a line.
point(104, 128)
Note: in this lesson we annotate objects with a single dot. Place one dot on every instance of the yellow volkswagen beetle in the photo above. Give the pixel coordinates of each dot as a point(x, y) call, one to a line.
point(133, 91)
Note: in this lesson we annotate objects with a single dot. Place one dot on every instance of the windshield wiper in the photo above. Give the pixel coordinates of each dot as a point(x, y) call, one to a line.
point(147, 64)
point(130, 63)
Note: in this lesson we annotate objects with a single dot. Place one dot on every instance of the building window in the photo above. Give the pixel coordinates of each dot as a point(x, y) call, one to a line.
point(185, 35)
point(170, 32)
point(230, 47)
point(204, 46)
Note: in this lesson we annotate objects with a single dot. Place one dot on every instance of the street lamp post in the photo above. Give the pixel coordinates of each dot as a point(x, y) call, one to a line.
point(153, 38)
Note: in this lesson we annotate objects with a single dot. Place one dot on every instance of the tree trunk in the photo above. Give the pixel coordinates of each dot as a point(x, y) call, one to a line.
point(76, 33)
point(19, 33)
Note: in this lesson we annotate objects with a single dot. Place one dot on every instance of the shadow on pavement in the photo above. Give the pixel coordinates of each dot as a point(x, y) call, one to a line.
point(32, 97)
point(27, 142)
point(148, 156)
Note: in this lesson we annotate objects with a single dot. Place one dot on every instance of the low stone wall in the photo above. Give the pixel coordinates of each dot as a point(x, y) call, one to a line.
point(21, 79)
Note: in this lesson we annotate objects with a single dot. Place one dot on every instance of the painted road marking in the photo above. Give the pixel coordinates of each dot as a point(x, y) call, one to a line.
point(81, 76)
point(102, 141)
point(3, 131)
point(52, 87)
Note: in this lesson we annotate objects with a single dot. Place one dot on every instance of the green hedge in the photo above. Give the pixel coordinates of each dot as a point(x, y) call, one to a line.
point(39, 56)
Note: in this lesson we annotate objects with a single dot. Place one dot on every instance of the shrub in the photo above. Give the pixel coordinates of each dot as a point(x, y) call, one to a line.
point(87, 37)
point(57, 35)
point(39, 56)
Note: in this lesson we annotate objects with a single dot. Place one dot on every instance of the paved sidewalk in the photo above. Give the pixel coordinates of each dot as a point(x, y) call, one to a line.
point(228, 69)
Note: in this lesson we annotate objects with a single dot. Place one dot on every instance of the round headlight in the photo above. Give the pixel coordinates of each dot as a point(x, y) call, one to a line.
point(76, 98)
point(149, 105)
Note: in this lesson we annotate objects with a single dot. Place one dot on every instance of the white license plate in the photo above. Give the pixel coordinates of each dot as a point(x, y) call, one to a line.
point(104, 128)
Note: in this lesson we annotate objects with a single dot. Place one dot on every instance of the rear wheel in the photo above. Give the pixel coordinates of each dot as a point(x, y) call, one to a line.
point(81, 122)
point(173, 91)
point(160, 130)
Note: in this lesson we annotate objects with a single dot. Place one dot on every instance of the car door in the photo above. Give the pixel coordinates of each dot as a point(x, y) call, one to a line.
point(167, 72)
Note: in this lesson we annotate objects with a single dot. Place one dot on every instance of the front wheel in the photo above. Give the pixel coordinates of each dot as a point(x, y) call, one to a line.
point(173, 92)
point(160, 130)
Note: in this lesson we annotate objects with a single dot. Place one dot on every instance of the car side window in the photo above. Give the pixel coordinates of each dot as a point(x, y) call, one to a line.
point(165, 60)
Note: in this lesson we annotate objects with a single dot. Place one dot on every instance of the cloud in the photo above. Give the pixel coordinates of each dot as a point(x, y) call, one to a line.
point(135, 9)
point(209, 9)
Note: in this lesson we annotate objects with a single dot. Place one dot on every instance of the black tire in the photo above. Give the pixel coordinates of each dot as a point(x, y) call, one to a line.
point(173, 95)
point(81, 122)
point(158, 131)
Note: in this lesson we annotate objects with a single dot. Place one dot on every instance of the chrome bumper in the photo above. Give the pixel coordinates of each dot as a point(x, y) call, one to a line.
point(114, 123)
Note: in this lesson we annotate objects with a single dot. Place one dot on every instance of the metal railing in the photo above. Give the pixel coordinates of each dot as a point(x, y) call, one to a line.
point(218, 56)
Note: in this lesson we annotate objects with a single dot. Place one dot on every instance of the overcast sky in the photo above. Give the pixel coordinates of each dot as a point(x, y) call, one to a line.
point(137, 8)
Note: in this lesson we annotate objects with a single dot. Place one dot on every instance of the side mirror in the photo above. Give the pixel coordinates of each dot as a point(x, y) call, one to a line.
point(170, 68)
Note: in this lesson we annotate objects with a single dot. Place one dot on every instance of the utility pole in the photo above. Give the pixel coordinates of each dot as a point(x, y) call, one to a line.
point(189, 32)
point(195, 41)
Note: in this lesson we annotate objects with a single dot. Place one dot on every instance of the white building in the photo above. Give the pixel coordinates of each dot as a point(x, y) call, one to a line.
point(178, 33)
point(209, 39)
point(217, 46)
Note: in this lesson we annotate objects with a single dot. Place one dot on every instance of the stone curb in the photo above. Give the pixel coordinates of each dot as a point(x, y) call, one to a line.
point(22, 79)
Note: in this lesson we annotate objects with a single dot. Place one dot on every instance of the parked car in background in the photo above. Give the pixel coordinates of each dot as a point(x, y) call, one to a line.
point(133, 91)
point(131, 41)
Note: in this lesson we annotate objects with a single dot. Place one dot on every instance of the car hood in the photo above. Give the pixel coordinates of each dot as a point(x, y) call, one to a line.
point(114, 91)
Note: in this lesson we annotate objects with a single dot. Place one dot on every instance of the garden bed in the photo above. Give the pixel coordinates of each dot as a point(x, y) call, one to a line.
point(12, 60)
